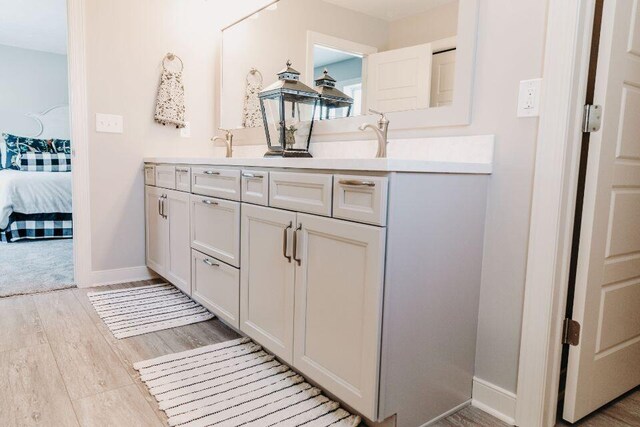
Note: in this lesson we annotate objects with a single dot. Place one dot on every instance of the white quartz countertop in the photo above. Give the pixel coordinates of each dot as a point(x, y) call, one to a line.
point(461, 155)
point(374, 165)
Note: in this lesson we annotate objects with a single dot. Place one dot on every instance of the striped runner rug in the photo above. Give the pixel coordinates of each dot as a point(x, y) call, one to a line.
point(236, 383)
point(136, 311)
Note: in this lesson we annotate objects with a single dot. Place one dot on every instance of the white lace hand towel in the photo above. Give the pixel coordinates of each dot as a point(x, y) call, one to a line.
point(170, 107)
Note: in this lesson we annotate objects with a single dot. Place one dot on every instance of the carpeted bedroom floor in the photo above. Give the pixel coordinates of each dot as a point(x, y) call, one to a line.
point(28, 267)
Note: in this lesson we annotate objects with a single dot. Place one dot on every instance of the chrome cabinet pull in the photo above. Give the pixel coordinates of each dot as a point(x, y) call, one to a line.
point(209, 202)
point(357, 183)
point(211, 173)
point(160, 206)
point(285, 242)
point(209, 263)
point(251, 175)
point(164, 215)
point(295, 245)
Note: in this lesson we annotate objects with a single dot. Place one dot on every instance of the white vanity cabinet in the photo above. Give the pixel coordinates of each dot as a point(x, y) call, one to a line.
point(167, 237)
point(365, 282)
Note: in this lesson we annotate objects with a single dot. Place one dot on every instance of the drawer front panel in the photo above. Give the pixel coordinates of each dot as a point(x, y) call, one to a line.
point(360, 198)
point(216, 286)
point(216, 182)
point(255, 187)
point(183, 178)
point(166, 176)
point(149, 175)
point(302, 192)
point(215, 228)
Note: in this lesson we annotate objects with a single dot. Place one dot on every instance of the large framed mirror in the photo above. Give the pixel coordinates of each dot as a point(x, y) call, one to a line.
point(411, 59)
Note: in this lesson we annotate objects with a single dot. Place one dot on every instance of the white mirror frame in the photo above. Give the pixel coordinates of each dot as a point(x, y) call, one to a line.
point(457, 114)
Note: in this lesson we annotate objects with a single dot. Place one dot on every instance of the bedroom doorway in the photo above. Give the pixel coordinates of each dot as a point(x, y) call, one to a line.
point(36, 209)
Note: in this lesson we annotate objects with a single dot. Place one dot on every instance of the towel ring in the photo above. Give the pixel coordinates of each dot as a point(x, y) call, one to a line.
point(253, 72)
point(172, 57)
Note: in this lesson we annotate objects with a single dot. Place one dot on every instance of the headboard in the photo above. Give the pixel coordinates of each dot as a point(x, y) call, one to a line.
point(52, 123)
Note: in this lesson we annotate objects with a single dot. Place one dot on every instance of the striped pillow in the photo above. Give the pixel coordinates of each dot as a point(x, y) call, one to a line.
point(45, 162)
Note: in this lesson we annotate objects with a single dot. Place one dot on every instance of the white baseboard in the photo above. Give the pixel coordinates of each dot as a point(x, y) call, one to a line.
point(119, 275)
point(494, 400)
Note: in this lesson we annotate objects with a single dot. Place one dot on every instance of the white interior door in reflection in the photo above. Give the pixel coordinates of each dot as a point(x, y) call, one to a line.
point(399, 79)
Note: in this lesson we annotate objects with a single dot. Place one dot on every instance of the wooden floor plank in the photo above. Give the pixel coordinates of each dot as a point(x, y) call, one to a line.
point(20, 325)
point(120, 407)
point(31, 389)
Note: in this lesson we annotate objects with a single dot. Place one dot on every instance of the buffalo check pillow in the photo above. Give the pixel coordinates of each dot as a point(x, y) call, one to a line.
point(45, 162)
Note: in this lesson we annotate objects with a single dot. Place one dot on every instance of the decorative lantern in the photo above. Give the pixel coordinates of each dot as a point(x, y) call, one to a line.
point(288, 109)
point(334, 104)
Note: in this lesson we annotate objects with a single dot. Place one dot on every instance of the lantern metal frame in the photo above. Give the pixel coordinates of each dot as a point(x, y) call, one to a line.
point(290, 89)
point(331, 98)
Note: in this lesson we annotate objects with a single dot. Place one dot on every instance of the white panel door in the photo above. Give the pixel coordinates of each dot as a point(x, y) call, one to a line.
point(443, 74)
point(606, 363)
point(155, 227)
point(339, 285)
point(267, 278)
point(399, 79)
point(178, 251)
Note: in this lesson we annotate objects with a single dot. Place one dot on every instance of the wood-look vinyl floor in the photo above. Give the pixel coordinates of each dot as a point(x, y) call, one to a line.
point(60, 366)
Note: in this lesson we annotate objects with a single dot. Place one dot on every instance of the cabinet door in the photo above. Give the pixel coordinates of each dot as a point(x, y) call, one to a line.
point(215, 228)
point(178, 251)
point(338, 307)
point(267, 278)
point(155, 227)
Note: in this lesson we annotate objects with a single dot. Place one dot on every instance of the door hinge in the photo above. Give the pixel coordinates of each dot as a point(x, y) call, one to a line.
point(571, 332)
point(592, 118)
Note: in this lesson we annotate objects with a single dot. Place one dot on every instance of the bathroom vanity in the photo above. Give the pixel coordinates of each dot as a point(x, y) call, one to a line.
point(363, 275)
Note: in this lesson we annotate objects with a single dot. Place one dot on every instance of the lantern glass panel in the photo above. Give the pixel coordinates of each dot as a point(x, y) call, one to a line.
point(298, 117)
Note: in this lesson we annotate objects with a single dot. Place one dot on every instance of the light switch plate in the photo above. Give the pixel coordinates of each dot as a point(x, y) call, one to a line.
point(529, 98)
point(109, 123)
point(185, 132)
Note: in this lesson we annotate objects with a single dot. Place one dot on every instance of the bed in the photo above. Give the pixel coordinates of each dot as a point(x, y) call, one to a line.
point(38, 205)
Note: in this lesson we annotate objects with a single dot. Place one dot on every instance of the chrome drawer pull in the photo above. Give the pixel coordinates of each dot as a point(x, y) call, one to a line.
point(209, 202)
point(182, 170)
point(357, 183)
point(211, 173)
point(251, 175)
point(209, 263)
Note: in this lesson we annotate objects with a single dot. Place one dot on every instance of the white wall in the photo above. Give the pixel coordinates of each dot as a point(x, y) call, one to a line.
point(435, 24)
point(30, 82)
point(126, 43)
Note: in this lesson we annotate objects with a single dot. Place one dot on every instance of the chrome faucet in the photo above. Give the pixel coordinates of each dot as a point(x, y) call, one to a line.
point(381, 132)
point(228, 140)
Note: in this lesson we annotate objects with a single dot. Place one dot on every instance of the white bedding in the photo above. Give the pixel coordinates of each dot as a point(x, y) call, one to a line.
point(33, 193)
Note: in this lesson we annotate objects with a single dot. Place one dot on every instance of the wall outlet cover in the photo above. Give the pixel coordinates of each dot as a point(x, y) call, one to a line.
point(529, 98)
point(109, 123)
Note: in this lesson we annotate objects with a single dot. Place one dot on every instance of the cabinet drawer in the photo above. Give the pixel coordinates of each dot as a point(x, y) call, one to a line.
point(255, 187)
point(149, 175)
point(216, 286)
point(183, 178)
point(166, 176)
point(302, 192)
point(215, 228)
point(216, 182)
point(360, 198)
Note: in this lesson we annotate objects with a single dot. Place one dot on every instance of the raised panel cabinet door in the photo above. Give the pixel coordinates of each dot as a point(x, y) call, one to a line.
point(215, 228)
point(155, 228)
point(178, 252)
point(267, 278)
point(338, 307)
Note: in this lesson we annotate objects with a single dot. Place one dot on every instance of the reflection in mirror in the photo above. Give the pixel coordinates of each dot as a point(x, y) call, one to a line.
point(386, 55)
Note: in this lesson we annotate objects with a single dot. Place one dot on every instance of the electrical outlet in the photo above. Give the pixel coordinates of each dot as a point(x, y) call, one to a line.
point(185, 132)
point(109, 123)
point(529, 98)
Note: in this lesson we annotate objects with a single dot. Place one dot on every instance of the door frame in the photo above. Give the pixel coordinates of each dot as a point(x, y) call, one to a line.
point(565, 76)
point(79, 112)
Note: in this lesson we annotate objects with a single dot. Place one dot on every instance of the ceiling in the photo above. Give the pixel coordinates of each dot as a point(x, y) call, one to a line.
point(323, 56)
point(390, 10)
point(34, 24)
